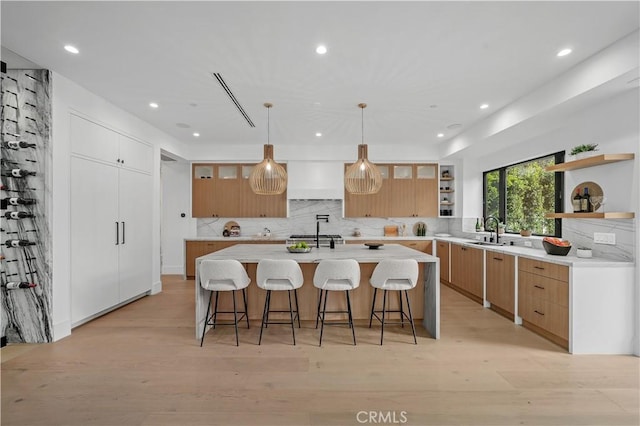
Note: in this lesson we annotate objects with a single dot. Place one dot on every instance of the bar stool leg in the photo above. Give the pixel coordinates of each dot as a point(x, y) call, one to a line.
point(401, 310)
point(384, 307)
point(246, 312)
point(206, 319)
point(264, 314)
point(295, 292)
point(235, 316)
point(293, 328)
point(413, 328)
point(215, 310)
point(353, 328)
point(319, 304)
point(373, 304)
point(324, 310)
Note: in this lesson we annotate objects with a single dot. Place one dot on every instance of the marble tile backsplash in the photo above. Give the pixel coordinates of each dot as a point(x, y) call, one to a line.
point(578, 231)
point(302, 220)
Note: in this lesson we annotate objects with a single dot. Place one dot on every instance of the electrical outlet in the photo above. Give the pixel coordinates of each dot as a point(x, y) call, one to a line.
point(528, 244)
point(604, 238)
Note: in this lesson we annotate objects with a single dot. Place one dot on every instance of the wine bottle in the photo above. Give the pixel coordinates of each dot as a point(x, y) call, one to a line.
point(478, 225)
point(16, 201)
point(18, 144)
point(14, 285)
point(577, 202)
point(18, 243)
point(586, 198)
point(18, 173)
point(17, 215)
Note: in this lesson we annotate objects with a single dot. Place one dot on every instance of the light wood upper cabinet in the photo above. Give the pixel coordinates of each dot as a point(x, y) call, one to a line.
point(408, 190)
point(501, 281)
point(223, 190)
point(373, 205)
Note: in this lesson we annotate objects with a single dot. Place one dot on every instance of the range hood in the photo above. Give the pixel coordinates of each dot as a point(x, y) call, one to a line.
point(315, 180)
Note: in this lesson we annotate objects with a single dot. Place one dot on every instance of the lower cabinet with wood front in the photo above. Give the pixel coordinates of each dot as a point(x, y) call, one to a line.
point(543, 299)
point(196, 248)
point(467, 271)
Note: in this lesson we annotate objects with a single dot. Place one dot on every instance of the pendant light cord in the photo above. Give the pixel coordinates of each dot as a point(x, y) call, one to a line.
point(268, 127)
point(362, 110)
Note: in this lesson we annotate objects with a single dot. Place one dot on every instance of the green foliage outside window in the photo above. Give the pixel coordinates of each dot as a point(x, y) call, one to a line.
point(529, 193)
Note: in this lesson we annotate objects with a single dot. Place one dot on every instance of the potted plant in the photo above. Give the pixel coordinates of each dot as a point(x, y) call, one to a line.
point(526, 227)
point(501, 228)
point(584, 150)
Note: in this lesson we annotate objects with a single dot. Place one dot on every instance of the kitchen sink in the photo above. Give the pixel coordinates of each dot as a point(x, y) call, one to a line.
point(486, 243)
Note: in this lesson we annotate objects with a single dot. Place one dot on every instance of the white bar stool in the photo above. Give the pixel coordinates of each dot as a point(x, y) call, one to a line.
point(223, 275)
point(394, 275)
point(279, 275)
point(336, 275)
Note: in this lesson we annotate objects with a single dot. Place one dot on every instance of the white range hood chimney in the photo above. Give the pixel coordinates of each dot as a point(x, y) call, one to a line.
point(315, 180)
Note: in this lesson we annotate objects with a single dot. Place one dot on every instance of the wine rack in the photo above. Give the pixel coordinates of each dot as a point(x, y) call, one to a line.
point(26, 255)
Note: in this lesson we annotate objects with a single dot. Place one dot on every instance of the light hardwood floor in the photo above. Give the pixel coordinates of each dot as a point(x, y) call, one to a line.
point(141, 365)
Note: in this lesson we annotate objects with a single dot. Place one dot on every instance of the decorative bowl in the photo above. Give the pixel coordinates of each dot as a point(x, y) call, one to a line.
point(554, 249)
point(299, 250)
point(373, 246)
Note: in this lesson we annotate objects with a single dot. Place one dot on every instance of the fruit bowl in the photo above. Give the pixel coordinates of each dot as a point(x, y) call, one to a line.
point(299, 250)
point(556, 249)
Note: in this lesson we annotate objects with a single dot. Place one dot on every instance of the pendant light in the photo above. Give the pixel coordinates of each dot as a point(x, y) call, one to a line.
point(268, 177)
point(362, 177)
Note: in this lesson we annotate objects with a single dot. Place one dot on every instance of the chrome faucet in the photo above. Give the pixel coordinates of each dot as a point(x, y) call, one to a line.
point(497, 221)
point(320, 218)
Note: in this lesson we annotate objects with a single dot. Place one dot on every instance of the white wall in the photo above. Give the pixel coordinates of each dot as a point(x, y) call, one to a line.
point(176, 199)
point(68, 96)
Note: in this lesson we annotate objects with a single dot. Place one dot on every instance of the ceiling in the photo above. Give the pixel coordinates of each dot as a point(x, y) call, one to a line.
point(420, 66)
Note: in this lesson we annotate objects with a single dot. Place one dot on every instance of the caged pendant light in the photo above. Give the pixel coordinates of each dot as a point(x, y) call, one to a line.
point(268, 177)
point(362, 177)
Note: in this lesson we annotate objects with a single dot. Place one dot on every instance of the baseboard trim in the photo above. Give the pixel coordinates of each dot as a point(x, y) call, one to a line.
point(61, 330)
point(156, 287)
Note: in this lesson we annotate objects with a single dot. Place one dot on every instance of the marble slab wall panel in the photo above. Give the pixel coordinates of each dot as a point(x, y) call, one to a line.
point(578, 231)
point(26, 116)
point(302, 220)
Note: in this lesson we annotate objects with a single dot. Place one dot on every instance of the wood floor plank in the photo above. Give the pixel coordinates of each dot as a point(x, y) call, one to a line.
point(140, 365)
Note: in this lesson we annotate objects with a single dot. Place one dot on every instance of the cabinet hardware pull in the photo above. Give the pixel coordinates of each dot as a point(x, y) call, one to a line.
point(538, 286)
point(122, 232)
point(117, 234)
point(539, 313)
point(539, 267)
point(497, 258)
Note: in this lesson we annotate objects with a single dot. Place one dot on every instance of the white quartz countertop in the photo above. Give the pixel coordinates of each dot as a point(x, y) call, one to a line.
point(253, 253)
point(286, 237)
point(540, 254)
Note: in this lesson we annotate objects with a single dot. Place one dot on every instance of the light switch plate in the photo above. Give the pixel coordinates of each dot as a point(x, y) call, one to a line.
point(528, 244)
point(604, 238)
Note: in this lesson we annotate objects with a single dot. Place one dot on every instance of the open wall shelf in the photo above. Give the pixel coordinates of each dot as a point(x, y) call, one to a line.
point(596, 215)
point(590, 162)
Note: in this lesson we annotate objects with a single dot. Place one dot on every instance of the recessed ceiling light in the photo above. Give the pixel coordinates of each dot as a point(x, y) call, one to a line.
point(318, 134)
point(321, 50)
point(196, 134)
point(71, 49)
point(564, 52)
point(153, 105)
point(484, 106)
point(440, 135)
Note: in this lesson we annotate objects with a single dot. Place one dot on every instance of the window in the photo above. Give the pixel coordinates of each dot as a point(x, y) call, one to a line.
point(520, 195)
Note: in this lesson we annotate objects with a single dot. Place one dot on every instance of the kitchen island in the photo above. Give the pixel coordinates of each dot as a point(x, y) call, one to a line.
point(427, 290)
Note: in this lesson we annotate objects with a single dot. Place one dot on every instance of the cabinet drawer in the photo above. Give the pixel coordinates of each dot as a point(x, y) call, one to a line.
point(546, 269)
point(423, 246)
point(547, 315)
point(532, 285)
